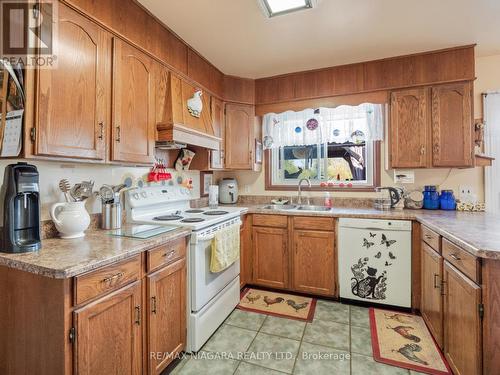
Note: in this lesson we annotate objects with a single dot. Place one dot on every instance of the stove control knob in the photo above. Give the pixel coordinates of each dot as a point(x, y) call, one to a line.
point(144, 194)
point(135, 195)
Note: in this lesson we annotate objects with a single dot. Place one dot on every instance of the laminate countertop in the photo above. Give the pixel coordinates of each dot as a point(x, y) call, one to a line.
point(476, 232)
point(62, 258)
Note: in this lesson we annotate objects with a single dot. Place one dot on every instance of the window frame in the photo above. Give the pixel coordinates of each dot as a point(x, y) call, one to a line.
point(269, 165)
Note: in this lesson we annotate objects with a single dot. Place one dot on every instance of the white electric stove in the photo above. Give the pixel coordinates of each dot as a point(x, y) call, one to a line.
point(211, 296)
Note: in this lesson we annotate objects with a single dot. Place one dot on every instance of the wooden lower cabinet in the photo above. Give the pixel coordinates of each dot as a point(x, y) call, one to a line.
point(109, 334)
point(270, 257)
point(431, 304)
point(166, 315)
point(314, 267)
point(462, 322)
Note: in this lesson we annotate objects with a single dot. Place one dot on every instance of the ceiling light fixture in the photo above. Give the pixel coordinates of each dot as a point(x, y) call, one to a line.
point(278, 7)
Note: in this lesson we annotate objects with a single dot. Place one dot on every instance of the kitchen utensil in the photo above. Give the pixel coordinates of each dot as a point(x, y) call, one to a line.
point(65, 187)
point(111, 215)
point(70, 218)
point(106, 193)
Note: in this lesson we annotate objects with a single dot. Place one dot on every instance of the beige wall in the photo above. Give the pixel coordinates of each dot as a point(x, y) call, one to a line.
point(488, 78)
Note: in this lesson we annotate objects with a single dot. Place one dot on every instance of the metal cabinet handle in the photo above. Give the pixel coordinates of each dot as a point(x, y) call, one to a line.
point(169, 254)
point(251, 156)
point(455, 256)
point(153, 305)
point(436, 284)
point(101, 130)
point(118, 134)
point(428, 236)
point(422, 150)
point(112, 278)
point(138, 315)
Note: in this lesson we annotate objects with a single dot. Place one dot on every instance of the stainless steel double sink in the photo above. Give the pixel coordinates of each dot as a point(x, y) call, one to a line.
point(290, 207)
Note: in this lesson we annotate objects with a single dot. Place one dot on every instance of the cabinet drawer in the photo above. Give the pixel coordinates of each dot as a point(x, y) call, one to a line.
point(277, 221)
point(314, 223)
point(465, 262)
point(166, 254)
point(431, 238)
point(106, 279)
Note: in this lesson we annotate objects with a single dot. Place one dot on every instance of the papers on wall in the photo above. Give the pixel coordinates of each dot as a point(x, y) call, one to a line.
point(12, 135)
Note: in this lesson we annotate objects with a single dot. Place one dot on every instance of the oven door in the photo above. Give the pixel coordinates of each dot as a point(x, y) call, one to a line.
point(205, 285)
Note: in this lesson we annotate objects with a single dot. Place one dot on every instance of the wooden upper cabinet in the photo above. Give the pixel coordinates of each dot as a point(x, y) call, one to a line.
point(462, 323)
point(133, 131)
point(409, 119)
point(431, 305)
point(167, 314)
point(452, 125)
point(109, 334)
point(239, 136)
point(217, 157)
point(270, 257)
point(314, 262)
point(74, 98)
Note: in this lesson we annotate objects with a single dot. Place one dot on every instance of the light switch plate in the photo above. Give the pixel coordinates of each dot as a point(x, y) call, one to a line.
point(404, 176)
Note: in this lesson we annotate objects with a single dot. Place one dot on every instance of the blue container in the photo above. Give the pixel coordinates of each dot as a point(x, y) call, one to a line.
point(431, 198)
point(447, 200)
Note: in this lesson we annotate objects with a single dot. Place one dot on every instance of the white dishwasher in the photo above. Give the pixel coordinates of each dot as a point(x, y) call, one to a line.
point(375, 261)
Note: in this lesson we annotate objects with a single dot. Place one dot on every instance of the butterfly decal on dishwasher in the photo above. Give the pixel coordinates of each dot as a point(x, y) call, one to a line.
point(367, 243)
point(378, 255)
point(387, 242)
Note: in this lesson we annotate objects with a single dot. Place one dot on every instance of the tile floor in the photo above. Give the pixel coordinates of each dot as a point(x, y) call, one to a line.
point(336, 342)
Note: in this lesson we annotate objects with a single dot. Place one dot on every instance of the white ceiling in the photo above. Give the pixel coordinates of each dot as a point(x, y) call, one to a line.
point(236, 37)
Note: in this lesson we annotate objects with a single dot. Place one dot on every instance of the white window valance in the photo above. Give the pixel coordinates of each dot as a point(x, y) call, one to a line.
point(324, 125)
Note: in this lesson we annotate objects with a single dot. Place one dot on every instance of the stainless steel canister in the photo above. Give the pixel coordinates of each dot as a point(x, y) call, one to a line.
point(111, 215)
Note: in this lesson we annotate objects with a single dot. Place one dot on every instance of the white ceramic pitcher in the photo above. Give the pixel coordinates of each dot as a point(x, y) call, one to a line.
point(71, 219)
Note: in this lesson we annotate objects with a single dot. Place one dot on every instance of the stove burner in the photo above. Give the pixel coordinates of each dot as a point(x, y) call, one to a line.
point(215, 213)
point(192, 220)
point(194, 211)
point(168, 217)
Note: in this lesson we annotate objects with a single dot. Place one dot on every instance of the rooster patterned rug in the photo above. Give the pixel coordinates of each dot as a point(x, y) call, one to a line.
point(403, 340)
point(278, 304)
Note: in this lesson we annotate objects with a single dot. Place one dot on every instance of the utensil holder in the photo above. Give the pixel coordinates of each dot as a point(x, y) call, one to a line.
point(111, 215)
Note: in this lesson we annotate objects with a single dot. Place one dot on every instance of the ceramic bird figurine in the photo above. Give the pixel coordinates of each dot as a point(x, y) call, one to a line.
point(195, 105)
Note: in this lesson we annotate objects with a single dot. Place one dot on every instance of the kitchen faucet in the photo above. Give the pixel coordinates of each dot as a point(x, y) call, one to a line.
point(299, 199)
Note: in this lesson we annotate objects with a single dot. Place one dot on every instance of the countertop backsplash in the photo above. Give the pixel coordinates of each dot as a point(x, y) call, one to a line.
point(51, 172)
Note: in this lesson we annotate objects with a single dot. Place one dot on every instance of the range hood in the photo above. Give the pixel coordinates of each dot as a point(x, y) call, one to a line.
point(175, 136)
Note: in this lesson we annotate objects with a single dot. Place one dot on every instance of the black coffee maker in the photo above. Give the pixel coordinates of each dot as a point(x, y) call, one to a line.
point(21, 211)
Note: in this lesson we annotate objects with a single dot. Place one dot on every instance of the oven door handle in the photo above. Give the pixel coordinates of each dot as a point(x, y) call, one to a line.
point(205, 238)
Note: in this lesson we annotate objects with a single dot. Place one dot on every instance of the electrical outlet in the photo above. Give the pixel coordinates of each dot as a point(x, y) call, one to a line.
point(246, 189)
point(466, 193)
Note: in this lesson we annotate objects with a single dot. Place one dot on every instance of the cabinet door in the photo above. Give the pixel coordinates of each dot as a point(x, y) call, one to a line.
point(270, 257)
point(246, 251)
point(217, 157)
point(314, 262)
point(431, 305)
point(108, 334)
point(239, 136)
point(452, 125)
point(167, 315)
point(133, 129)
point(74, 98)
point(462, 323)
point(409, 124)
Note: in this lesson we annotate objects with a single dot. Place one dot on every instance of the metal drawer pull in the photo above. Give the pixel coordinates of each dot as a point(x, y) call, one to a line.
point(138, 315)
point(428, 236)
point(110, 279)
point(455, 256)
point(153, 304)
point(436, 285)
point(170, 254)
point(118, 134)
point(101, 131)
